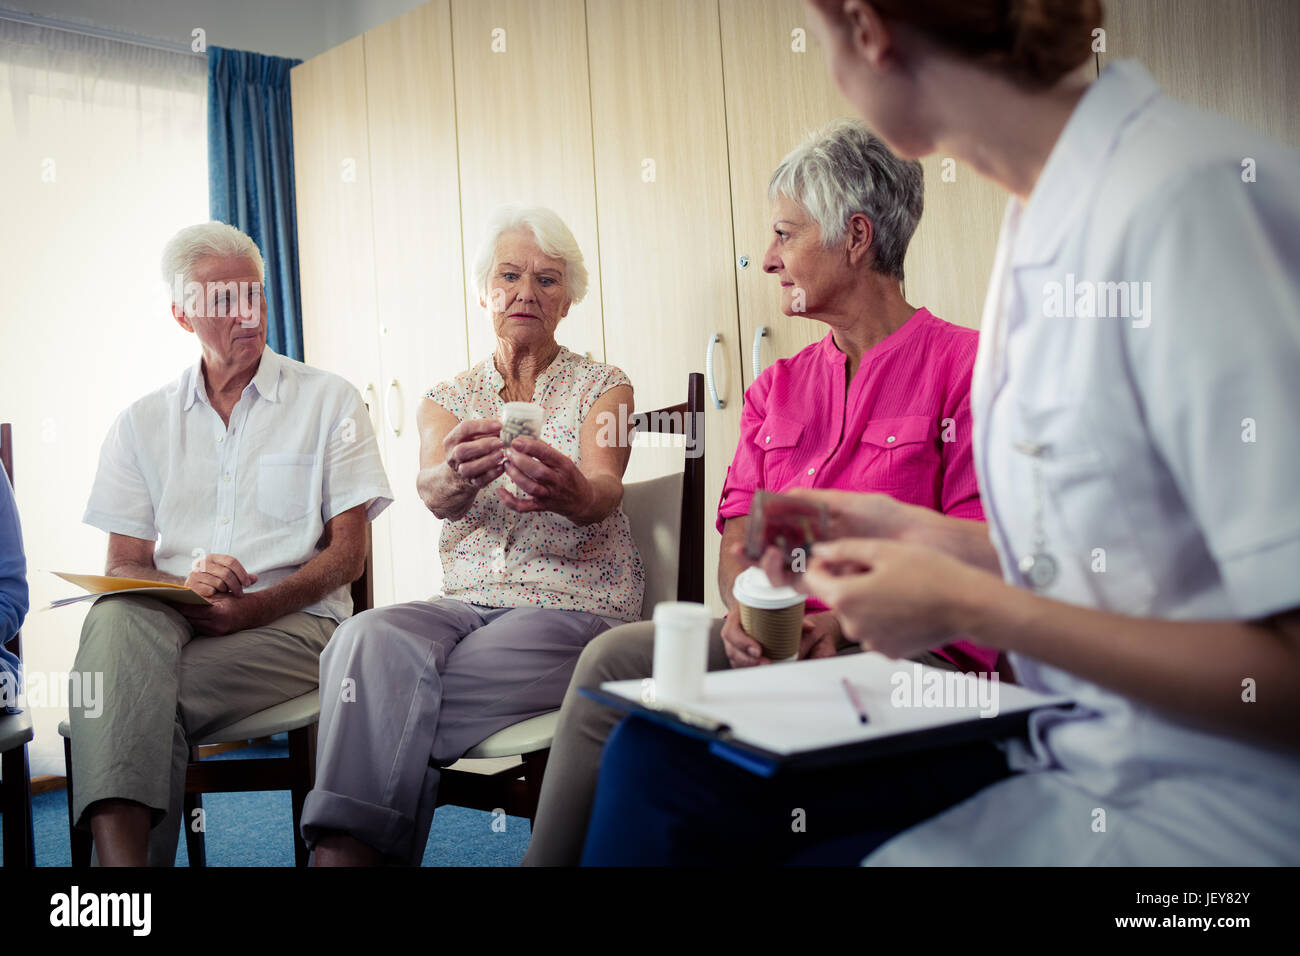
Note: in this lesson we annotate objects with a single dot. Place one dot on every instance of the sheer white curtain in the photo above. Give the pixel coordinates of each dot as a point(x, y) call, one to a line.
point(103, 155)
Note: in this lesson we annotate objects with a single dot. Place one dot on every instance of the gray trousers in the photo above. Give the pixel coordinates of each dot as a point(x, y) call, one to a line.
point(427, 679)
point(162, 688)
point(569, 787)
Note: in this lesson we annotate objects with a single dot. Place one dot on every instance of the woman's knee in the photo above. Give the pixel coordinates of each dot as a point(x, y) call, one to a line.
point(621, 653)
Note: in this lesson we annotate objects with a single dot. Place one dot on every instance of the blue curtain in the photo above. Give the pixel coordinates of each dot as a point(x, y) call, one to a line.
point(250, 175)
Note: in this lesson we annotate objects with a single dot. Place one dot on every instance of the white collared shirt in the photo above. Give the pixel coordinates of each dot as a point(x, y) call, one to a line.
point(1166, 445)
point(299, 450)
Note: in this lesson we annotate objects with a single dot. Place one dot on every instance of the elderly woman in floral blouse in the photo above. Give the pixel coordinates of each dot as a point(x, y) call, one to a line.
point(537, 560)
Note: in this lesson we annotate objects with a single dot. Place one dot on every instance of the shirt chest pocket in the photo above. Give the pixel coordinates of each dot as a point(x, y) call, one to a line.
point(287, 488)
point(777, 440)
point(1089, 523)
point(899, 454)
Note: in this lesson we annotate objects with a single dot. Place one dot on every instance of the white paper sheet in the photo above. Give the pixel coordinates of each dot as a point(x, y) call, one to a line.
point(801, 706)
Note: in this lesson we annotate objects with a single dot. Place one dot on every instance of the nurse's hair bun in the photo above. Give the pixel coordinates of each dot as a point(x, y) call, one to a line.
point(1049, 38)
point(1034, 42)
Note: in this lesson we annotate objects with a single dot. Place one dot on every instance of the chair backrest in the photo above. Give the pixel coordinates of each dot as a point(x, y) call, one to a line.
point(15, 643)
point(666, 514)
point(654, 513)
point(7, 451)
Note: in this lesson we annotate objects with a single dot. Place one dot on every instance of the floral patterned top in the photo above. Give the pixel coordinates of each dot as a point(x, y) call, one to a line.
point(500, 558)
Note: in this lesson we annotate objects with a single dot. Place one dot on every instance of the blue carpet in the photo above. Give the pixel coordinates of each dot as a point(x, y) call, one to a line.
point(253, 829)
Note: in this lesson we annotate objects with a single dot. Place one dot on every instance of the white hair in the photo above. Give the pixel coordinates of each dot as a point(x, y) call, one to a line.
point(184, 250)
point(842, 170)
point(553, 238)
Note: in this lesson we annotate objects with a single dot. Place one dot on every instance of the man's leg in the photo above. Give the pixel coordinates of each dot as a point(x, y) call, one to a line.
point(381, 701)
point(224, 679)
point(569, 788)
point(125, 745)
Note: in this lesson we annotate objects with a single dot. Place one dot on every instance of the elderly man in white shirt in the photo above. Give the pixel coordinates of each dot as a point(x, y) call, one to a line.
point(250, 479)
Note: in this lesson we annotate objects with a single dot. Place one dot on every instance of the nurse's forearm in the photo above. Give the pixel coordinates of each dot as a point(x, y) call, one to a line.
point(1239, 678)
point(964, 539)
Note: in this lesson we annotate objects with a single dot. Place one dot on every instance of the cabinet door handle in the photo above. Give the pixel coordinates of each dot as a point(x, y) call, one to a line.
point(708, 371)
point(370, 398)
point(757, 357)
point(388, 407)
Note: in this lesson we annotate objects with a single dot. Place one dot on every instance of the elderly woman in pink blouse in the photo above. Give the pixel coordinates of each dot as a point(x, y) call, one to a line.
point(537, 560)
point(881, 404)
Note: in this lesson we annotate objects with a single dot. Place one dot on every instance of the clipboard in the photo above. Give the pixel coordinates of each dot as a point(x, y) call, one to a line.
point(820, 701)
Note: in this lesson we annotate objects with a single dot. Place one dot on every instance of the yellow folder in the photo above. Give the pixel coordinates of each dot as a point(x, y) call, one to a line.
point(101, 584)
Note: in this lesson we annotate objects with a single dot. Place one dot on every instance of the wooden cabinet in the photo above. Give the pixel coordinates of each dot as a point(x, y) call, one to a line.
point(335, 221)
point(665, 220)
point(336, 240)
point(1236, 58)
point(419, 279)
point(523, 110)
point(777, 92)
point(950, 257)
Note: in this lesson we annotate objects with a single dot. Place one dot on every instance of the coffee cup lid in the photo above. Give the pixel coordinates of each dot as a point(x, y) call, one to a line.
point(754, 589)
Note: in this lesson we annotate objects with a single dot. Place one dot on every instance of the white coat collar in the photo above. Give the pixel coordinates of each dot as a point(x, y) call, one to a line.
point(1073, 170)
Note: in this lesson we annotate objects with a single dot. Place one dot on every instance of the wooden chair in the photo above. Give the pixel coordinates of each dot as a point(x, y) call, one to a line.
point(667, 522)
point(296, 773)
point(15, 733)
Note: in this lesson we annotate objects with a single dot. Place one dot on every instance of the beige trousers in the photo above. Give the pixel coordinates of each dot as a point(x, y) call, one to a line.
point(163, 687)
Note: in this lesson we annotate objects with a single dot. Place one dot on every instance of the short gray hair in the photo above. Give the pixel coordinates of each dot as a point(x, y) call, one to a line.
point(184, 250)
point(553, 238)
point(841, 170)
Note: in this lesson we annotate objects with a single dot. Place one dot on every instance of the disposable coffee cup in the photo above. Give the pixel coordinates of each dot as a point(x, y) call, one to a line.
point(772, 616)
point(521, 418)
point(681, 651)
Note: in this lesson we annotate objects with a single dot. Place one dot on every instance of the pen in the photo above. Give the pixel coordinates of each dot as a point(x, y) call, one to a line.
point(855, 700)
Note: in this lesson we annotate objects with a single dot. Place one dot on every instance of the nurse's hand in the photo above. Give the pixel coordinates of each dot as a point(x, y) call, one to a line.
point(890, 596)
point(864, 514)
point(853, 514)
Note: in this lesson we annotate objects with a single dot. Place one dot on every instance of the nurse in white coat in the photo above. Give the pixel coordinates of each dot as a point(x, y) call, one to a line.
point(1135, 401)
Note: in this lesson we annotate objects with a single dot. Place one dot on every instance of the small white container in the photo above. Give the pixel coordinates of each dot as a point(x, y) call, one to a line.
point(521, 418)
point(681, 650)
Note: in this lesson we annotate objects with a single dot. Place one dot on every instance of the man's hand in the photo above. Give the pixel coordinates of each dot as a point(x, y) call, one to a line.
point(218, 574)
point(226, 614)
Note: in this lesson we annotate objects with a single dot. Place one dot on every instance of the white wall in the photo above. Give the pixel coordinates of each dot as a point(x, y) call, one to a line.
point(293, 28)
